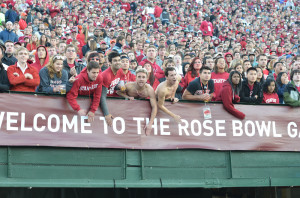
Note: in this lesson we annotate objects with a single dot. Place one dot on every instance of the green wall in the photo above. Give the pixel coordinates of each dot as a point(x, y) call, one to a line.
point(115, 168)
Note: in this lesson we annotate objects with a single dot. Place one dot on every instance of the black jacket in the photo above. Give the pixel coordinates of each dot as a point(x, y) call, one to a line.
point(245, 93)
point(9, 60)
point(79, 67)
point(4, 82)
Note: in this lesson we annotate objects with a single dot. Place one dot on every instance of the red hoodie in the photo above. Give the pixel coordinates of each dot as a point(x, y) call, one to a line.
point(37, 63)
point(156, 67)
point(206, 28)
point(20, 83)
point(226, 96)
point(228, 63)
point(83, 86)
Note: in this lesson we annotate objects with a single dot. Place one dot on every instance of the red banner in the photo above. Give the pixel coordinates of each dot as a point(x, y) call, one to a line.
point(27, 120)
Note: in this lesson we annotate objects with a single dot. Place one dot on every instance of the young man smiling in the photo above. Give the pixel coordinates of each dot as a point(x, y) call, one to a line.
point(140, 89)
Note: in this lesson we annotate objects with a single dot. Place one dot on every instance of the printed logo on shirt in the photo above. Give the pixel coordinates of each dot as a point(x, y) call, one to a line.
point(199, 92)
point(251, 92)
point(271, 100)
point(88, 88)
point(219, 80)
point(55, 82)
point(112, 86)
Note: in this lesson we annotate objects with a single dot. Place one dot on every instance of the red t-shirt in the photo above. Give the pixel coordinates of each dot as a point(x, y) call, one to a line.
point(110, 81)
point(270, 98)
point(71, 65)
point(219, 79)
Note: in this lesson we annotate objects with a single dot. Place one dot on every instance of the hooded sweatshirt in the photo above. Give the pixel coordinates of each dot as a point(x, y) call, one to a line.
point(83, 86)
point(227, 97)
point(156, 67)
point(37, 65)
point(228, 63)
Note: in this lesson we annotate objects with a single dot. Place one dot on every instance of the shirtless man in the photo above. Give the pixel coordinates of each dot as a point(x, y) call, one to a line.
point(140, 89)
point(167, 90)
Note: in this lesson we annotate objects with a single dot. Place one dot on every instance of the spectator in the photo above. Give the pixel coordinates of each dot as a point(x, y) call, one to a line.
point(278, 67)
point(206, 27)
point(111, 78)
point(230, 94)
point(8, 58)
point(140, 89)
point(219, 75)
point(270, 92)
point(282, 80)
point(41, 58)
point(128, 76)
point(152, 80)
point(291, 95)
point(151, 56)
point(251, 90)
point(70, 65)
point(33, 44)
point(53, 76)
point(22, 76)
point(167, 90)
point(193, 71)
point(8, 34)
point(10, 15)
point(119, 44)
point(202, 88)
point(88, 82)
point(4, 83)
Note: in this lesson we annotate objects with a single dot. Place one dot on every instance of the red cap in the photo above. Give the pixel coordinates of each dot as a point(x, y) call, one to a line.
point(69, 41)
point(102, 42)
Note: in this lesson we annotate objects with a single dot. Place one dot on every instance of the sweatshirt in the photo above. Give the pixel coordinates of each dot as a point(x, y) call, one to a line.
point(227, 97)
point(37, 65)
point(47, 84)
point(270, 98)
point(83, 86)
point(20, 83)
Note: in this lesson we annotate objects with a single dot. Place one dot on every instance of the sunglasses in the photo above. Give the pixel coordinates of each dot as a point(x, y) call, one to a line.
point(58, 58)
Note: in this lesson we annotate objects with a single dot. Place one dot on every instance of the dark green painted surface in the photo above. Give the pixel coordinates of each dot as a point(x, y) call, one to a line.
point(71, 167)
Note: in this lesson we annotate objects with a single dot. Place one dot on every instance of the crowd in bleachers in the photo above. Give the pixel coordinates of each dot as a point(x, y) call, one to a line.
point(229, 50)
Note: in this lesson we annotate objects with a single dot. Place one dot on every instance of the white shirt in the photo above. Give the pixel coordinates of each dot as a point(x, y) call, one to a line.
point(23, 70)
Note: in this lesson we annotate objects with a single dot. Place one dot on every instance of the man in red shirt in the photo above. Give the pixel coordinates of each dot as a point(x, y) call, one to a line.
point(151, 58)
point(111, 78)
point(22, 21)
point(22, 76)
point(88, 82)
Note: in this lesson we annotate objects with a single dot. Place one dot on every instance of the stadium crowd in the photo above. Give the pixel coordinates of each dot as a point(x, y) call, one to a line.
point(204, 50)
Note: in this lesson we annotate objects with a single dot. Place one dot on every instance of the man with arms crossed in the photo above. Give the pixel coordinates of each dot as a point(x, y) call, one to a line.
point(140, 89)
point(167, 90)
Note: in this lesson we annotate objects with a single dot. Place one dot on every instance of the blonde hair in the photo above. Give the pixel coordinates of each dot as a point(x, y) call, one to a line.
point(50, 67)
point(21, 49)
point(141, 70)
point(236, 62)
